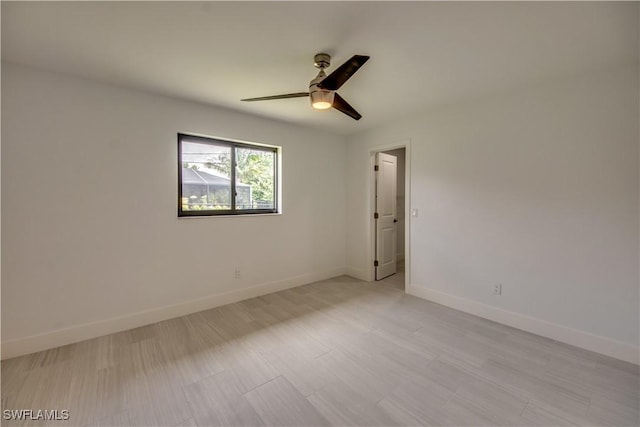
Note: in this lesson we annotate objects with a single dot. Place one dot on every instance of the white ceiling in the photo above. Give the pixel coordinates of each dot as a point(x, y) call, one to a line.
point(423, 54)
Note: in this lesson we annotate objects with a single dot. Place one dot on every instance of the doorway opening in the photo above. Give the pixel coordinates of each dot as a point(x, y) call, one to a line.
point(390, 227)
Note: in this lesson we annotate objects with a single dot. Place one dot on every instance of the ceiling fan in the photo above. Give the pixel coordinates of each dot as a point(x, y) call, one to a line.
point(322, 89)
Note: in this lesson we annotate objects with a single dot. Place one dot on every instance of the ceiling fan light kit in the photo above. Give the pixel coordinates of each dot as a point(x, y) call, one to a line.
point(322, 89)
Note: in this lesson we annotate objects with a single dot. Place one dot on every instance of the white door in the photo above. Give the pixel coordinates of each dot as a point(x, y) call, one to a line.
point(385, 215)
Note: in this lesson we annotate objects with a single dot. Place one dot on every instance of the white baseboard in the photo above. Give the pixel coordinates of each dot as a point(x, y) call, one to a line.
point(52, 339)
point(585, 340)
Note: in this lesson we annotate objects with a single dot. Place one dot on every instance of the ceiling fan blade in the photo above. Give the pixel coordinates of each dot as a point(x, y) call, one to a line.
point(341, 74)
point(343, 106)
point(288, 95)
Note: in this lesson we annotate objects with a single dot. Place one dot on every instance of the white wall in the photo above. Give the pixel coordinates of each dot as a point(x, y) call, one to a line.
point(536, 189)
point(91, 241)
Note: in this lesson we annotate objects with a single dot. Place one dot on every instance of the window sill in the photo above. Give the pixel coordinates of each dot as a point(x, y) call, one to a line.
point(230, 215)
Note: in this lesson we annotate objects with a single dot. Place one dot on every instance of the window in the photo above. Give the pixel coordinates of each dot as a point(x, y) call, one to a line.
point(219, 177)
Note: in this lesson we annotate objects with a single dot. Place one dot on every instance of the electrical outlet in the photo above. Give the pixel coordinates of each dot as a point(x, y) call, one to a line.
point(237, 273)
point(497, 289)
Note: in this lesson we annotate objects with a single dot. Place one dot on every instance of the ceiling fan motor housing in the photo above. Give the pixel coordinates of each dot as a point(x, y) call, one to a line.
point(320, 99)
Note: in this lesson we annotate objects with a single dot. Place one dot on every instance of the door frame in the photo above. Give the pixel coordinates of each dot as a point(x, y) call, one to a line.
point(371, 195)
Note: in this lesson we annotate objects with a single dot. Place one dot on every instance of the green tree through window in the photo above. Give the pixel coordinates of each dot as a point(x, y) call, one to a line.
point(253, 167)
